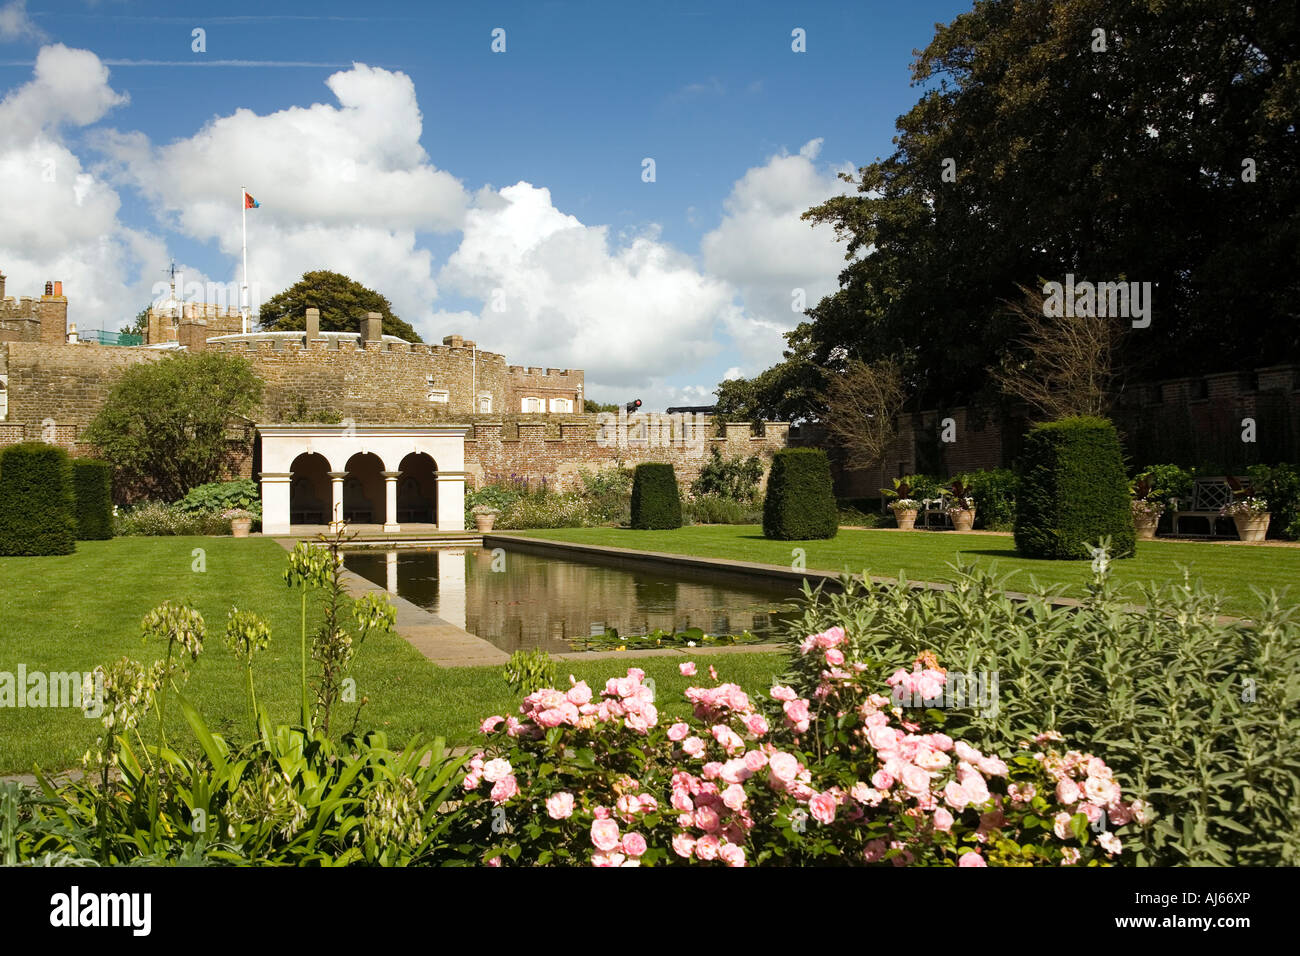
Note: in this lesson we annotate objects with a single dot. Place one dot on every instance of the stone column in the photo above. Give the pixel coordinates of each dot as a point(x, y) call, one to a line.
point(275, 502)
point(451, 500)
point(390, 502)
point(336, 496)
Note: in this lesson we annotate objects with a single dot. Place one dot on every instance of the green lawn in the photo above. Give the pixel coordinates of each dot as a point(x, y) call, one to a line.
point(1230, 569)
point(75, 612)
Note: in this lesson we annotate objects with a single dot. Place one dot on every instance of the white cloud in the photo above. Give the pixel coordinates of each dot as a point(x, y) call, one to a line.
point(343, 187)
point(557, 292)
point(59, 220)
point(763, 248)
point(15, 24)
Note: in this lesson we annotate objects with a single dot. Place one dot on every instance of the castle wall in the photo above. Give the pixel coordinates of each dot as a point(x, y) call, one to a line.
point(545, 384)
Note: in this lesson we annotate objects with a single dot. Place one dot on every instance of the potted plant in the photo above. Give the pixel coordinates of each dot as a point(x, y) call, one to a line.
point(241, 521)
point(484, 517)
point(1146, 512)
point(1250, 514)
point(962, 507)
point(903, 506)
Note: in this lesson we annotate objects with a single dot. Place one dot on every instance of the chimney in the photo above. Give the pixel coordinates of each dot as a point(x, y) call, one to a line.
point(313, 324)
point(455, 341)
point(372, 327)
point(2, 286)
point(53, 313)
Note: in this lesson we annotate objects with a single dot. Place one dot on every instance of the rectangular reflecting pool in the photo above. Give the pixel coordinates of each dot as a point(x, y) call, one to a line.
point(519, 601)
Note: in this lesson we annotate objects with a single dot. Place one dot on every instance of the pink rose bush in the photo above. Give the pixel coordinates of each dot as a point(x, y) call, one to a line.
point(826, 768)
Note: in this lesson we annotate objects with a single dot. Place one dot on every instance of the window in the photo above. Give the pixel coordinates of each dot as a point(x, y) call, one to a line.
point(439, 395)
point(484, 404)
point(532, 405)
point(4, 397)
point(561, 404)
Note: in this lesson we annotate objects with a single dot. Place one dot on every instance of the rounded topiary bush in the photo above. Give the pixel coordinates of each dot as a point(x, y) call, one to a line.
point(93, 489)
point(800, 502)
point(656, 503)
point(37, 506)
point(1073, 491)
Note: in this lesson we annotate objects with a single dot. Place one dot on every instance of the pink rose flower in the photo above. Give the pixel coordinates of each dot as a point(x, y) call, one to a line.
point(607, 859)
point(684, 845)
point(796, 712)
point(955, 795)
point(783, 766)
point(706, 818)
point(687, 669)
point(604, 835)
point(504, 789)
point(783, 693)
point(1061, 825)
point(490, 724)
point(756, 724)
point(971, 858)
point(755, 761)
point(634, 844)
point(834, 657)
point(942, 820)
point(1067, 791)
point(678, 731)
point(915, 780)
point(882, 780)
point(560, 806)
point(731, 854)
point(495, 770)
point(693, 746)
point(822, 807)
point(734, 797)
point(579, 694)
point(706, 847)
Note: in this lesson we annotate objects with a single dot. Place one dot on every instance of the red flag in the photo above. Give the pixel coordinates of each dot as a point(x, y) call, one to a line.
point(250, 202)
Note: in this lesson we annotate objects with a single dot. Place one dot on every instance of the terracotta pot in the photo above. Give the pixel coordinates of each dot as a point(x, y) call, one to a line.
point(484, 522)
point(239, 527)
point(963, 520)
point(906, 519)
point(1145, 526)
point(1252, 528)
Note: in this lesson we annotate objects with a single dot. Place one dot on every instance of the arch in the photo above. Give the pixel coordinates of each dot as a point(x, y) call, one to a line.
point(309, 490)
point(417, 490)
point(363, 489)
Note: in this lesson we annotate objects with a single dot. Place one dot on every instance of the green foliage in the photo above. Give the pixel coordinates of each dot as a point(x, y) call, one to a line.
point(736, 477)
point(1167, 481)
point(656, 504)
point(529, 671)
point(716, 509)
point(218, 496)
point(1279, 485)
point(37, 501)
point(787, 392)
point(1198, 715)
point(800, 502)
point(164, 426)
point(93, 483)
point(595, 408)
point(1073, 491)
point(608, 493)
point(995, 497)
point(343, 304)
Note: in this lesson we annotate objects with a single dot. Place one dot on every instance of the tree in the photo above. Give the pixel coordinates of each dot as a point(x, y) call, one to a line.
point(140, 325)
point(164, 425)
point(1171, 157)
point(343, 303)
point(862, 406)
point(1066, 368)
point(787, 392)
point(594, 408)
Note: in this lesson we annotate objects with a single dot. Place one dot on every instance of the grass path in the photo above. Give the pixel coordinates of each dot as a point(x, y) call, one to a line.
point(1230, 569)
point(74, 612)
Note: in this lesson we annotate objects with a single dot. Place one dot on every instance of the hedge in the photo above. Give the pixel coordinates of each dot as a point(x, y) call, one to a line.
point(1073, 491)
point(37, 503)
point(93, 489)
point(656, 503)
point(800, 501)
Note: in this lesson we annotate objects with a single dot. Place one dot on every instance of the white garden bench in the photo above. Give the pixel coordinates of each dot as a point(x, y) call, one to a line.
point(1209, 495)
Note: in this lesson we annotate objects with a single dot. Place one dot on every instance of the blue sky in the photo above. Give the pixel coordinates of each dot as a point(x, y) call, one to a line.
point(497, 195)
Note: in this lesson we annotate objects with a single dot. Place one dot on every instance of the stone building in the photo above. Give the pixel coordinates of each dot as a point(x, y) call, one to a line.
point(511, 422)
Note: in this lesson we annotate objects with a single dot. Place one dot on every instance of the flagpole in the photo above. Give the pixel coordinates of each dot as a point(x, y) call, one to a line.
point(243, 297)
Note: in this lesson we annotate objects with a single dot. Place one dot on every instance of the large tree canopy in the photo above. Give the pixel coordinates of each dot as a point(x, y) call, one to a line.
point(164, 425)
point(343, 303)
point(1171, 157)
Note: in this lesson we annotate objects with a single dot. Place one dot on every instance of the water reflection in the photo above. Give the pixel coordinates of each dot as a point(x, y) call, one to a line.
point(522, 600)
